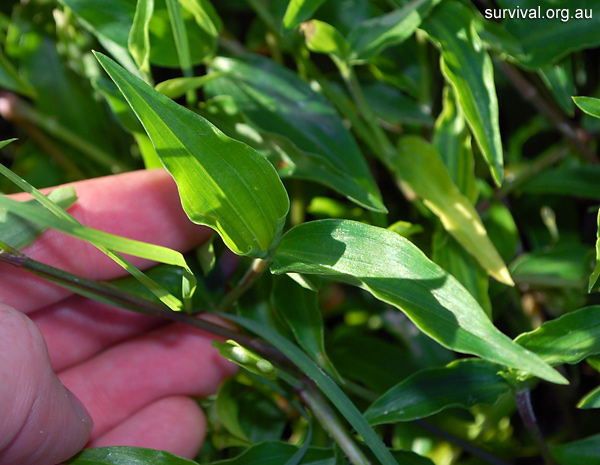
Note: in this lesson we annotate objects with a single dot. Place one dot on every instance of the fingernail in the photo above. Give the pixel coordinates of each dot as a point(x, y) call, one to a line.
point(81, 411)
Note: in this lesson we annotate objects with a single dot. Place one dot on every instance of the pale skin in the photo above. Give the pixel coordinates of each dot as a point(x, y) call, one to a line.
point(133, 374)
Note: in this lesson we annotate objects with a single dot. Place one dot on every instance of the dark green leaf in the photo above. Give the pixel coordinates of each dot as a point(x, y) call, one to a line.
point(583, 452)
point(18, 232)
point(537, 32)
point(393, 107)
point(223, 183)
point(468, 67)
point(421, 167)
point(568, 339)
point(395, 271)
point(596, 273)
point(576, 181)
point(299, 11)
point(121, 455)
point(463, 383)
point(10, 79)
point(370, 37)
point(590, 400)
point(277, 101)
point(276, 453)
point(560, 81)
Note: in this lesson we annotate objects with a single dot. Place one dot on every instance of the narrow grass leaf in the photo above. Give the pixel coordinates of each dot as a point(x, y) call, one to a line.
point(178, 87)
point(180, 35)
point(589, 105)
point(372, 36)
point(278, 101)
point(421, 167)
point(205, 15)
point(395, 271)
point(568, 339)
point(223, 183)
point(139, 36)
point(464, 383)
point(324, 382)
point(299, 11)
point(468, 67)
point(590, 400)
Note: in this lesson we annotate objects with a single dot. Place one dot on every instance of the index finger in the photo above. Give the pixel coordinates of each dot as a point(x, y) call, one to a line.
point(141, 205)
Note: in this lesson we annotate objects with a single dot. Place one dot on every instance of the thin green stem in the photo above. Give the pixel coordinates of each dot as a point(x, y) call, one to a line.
point(332, 424)
point(21, 111)
point(257, 267)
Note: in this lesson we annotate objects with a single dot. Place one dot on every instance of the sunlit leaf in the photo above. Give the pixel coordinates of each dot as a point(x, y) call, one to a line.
point(568, 339)
point(139, 36)
point(596, 272)
point(324, 38)
point(464, 383)
point(590, 105)
point(420, 166)
point(397, 272)
point(468, 67)
point(245, 358)
point(223, 183)
point(590, 400)
point(299, 11)
point(177, 87)
point(277, 101)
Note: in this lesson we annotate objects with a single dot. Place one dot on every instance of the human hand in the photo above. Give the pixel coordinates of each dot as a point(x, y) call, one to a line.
point(133, 373)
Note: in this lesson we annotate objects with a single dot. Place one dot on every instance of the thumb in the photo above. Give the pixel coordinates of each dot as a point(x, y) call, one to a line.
point(41, 422)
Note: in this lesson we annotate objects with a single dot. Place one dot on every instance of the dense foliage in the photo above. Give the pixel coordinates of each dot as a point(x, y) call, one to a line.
point(412, 187)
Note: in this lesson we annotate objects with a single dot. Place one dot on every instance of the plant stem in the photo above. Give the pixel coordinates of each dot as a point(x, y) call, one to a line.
point(331, 423)
point(576, 136)
point(256, 269)
point(18, 111)
point(107, 293)
point(523, 400)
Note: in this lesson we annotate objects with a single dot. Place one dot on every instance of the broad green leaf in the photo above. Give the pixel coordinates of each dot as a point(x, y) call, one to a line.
point(468, 68)
point(245, 358)
point(276, 453)
point(452, 141)
point(537, 24)
point(299, 11)
point(568, 339)
point(559, 80)
point(139, 36)
point(590, 400)
point(566, 266)
point(464, 383)
point(177, 87)
point(371, 36)
point(575, 181)
point(589, 105)
point(10, 79)
point(19, 233)
point(288, 159)
point(123, 455)
point(596, 272)
point(394, 107)
point(299, 308)
point(420, 166)
point(223, 183)
point(502, 229)
point(459, 263)
point(277, 101)
point(324, 382)
point(397, 272)
point(321, 37)
point(583, 452)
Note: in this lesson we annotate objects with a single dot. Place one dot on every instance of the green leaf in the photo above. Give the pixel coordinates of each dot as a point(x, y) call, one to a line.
point(180, 35)
point(177, 87)
point(575, 181)
point(468, 67)
point(589, 105)
point(394, 107)
point(276, 453)
point(397, 272)
point(139, 36)
point(321, 37)
point(299, 308)
point(420, 166)
point(566, 266)
point(590, 400)
point(10, 79)
point(464, 383)
point(583, 452)
point(277, 101)
point(223, 183)
point(324, 382)
point(596, 272)
point(121, 455)
point(299, 11)
point(373, 35)
point(245, 358)
point(559, 80)
point(19, 233)
point(452, 141)
point(568, 339)
point(205, 15)
point(537, 33)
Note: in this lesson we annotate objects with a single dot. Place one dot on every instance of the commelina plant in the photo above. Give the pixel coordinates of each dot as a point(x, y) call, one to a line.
point(411, 186)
